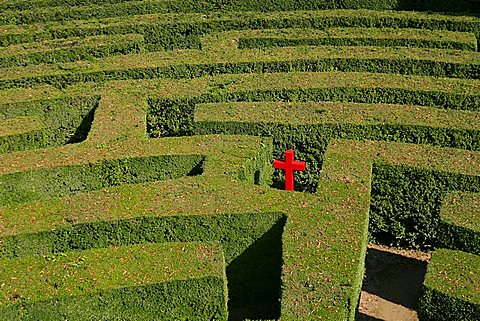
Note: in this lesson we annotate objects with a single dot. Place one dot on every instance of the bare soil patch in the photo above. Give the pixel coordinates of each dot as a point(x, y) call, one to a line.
point(392, 284)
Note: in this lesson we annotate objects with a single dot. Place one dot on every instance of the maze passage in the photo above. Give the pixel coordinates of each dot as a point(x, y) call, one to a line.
point(137, 142)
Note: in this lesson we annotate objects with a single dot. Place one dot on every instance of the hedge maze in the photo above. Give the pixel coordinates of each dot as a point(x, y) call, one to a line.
point(137, 140)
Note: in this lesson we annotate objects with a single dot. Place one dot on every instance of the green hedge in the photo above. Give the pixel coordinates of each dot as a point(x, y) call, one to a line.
point(403, 66)
point(76, 10)
point(451, 287)
point(149, 281)
point(195, 300)
point(72, 49)
point(21, 133)
point(462, 6)
point(406, 202)
point(460, 219)
point(309, 141)
point(63, 121)
point(251, 43)
point(167, 117)
point(183, 31)
point(59, 181)
point(252, 244)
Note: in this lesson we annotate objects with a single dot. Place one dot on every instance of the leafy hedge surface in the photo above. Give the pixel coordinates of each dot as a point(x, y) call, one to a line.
point(460, 222)
point(62, 121)
point(172, 31)
point(150, 281)
point(383, 37)
point(405, 204)
point(167, 117)
point(278, 251)
point(60, 181)
point(73, 10)
point(451, 287)
point(251, 242)
point(70, 50)
point(195, 64)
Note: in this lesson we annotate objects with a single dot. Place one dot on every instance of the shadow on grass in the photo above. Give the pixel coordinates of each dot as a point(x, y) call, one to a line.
point(254, 278)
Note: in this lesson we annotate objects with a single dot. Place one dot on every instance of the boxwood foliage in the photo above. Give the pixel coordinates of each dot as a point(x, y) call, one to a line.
point(193, 70)
point(459, 224)
point(266, 42)
point(195, 299)
point(73, 49)
point(453, 236)
point(451, 287)
point(27, 12)
point(64, 120)
point(185, 32)
point(252, 244)
point(184, 281)
point(310, 141)
point(405, 204)
point(19, 187)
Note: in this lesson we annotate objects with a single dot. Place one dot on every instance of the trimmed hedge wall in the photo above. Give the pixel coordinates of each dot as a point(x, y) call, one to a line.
point(405, 203)
point(457, 237)
point(265, 42)
point(59, 181)
point(64, 121)
point(195, 300)
point(73, 10)
point(73, 49)
point(459, 226)
point(451, 287)
point(383, 65)
point(177, 31)
point(309, 141)
point(141, 282)
point(252, 244)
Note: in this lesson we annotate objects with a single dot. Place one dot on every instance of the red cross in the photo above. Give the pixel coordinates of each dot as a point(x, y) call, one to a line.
point(289, 165)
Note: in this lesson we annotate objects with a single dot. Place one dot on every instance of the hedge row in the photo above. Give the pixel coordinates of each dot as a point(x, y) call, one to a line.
point(21, 133)
point(69, 10)
point(61, 121)
point(251, 242)
point(110, 72)
point(72, 49)
point(7, 5)
point(149, 281)
point(183, 31)
point(460, 219)
point(32, 185)
point(167, 117)
point(406, 202)
point(252, 43)
point(451, 287)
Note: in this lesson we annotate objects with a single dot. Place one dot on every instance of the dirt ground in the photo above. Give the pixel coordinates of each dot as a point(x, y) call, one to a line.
point(392, 284)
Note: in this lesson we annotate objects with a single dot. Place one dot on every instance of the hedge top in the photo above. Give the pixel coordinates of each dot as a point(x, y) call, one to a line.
point(30, 278)
point(462, 209)
point(456, 274)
